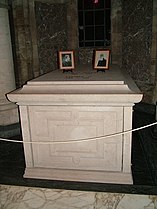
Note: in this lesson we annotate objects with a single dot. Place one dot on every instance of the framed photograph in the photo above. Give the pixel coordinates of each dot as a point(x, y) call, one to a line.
point(66, 60)
point(101, 59)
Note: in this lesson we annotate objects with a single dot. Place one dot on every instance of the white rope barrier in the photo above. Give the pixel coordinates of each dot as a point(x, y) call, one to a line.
point(80, 140)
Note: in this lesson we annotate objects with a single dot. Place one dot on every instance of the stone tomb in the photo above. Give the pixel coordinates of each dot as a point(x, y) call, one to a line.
point(65, 118)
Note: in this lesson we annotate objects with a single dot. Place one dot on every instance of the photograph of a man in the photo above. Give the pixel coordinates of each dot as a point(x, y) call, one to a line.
point(102, 60)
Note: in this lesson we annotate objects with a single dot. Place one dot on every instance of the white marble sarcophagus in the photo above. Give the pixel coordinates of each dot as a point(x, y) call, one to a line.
point(74, 108)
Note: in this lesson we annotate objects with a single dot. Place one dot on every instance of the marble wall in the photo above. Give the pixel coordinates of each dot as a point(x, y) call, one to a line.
point(137, 42)
point(51, 21)
point(22, 47)
point(29, 197)
point(44, 27)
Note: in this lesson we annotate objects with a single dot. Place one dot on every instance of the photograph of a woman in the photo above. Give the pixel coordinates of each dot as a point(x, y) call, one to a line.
point(66, 60)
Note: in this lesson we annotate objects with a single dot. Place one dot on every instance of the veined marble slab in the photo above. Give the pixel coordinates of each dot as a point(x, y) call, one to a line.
point(15, 197)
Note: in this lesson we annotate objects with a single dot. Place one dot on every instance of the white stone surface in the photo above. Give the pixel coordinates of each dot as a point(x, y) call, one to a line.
point(15, 197)
point(8, 111)
point(62, 112)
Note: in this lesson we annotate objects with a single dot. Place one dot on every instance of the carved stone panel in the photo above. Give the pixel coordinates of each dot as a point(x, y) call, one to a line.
point(76, 127)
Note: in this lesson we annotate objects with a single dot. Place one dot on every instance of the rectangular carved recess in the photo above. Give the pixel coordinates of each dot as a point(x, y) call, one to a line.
point(75, 123)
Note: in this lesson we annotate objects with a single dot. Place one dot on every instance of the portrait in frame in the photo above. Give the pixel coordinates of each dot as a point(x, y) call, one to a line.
point(101, 59)
point(66, 60)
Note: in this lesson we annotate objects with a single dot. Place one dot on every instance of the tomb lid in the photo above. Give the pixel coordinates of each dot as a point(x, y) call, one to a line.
point(81, 75)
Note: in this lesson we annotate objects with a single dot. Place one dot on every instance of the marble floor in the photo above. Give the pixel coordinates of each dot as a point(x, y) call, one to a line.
point(17, 197)
point(23, 193)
